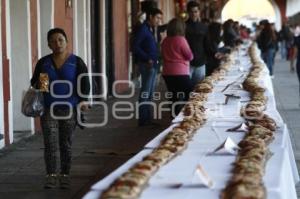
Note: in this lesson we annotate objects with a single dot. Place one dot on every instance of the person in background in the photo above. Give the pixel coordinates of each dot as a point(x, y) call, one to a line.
point(282, 44)
point(146, 52)
point(161, 33)
point(141, 17)
point(244, 34)
point(205, 21)
point(236, 28)
point(297, 47)
point(195, 34)
point(214, 54)
point(258, 29)
point(297, 30)
point(291, 49)
point(288, 50)
point(176, 56)
point(59, 121)
point(276, 42)
point(267, 44)
point(230, 36)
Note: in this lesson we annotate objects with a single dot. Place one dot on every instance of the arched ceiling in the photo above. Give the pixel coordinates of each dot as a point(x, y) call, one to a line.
point(278, 4)
point(271, 11)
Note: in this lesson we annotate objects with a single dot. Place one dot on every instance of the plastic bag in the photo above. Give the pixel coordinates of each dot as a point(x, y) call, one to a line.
point(33, 103)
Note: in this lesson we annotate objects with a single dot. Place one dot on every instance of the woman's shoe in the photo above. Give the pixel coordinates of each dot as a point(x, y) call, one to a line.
point(64, 181)
point(50, 181)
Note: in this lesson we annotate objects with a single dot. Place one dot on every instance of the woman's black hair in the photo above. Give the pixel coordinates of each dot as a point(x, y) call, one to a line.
point(56, 30)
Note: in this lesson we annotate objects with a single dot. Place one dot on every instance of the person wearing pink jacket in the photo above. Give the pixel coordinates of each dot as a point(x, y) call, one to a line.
point(176, 55)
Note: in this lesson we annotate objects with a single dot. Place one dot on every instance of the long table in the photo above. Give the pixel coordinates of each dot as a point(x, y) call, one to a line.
point(281, 171)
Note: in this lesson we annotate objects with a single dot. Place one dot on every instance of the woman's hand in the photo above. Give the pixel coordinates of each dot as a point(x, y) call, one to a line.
point(150, 63)
point(219, 55)
point(84, 106)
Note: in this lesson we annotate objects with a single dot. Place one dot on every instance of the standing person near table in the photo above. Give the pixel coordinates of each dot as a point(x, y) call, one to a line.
point(291, 53)
point(195, 34)
point(267, 44)
point(214, 54)
point(276, 41)
point(146, 51)
point(176, 56)
point(230, 36)
point(297, 45)
point(60, 100)
point(284, 32)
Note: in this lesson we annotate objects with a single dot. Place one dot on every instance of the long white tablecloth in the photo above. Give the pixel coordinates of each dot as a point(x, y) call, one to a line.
point(281, 171)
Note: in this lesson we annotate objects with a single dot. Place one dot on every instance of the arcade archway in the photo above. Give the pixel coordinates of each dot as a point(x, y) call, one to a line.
point(247, 13)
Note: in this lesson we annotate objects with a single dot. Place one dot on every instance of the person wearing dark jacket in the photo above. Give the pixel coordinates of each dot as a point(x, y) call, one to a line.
point(195, 34)
point(146, 52)
point(267, 44)
point(214, 54)
point(297, 45)
point(58, 75)
point(230, 36)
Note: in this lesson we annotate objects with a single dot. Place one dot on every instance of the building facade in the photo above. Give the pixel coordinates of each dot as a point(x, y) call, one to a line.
point(98, 31)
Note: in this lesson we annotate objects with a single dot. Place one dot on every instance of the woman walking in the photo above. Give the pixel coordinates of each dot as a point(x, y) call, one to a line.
point(57, 75)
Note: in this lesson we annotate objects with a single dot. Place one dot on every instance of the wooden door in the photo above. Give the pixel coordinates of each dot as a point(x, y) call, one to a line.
point(120, 42)
point(6, 80)
point(34, 31)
